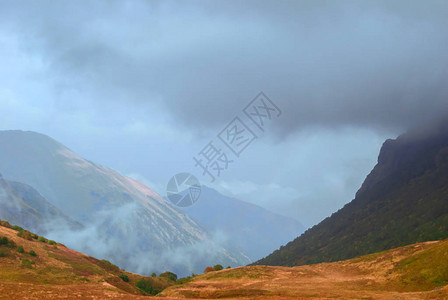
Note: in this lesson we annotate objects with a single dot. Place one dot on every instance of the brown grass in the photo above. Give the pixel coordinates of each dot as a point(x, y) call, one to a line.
point(375, 276)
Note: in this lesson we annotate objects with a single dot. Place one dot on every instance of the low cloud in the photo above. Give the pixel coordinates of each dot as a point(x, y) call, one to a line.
point(372, 64)
point(111, 236)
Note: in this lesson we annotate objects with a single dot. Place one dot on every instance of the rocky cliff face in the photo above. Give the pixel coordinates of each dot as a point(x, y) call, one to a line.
point(408, 156)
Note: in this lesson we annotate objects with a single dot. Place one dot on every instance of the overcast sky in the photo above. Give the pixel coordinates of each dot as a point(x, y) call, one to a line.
point(143, 86)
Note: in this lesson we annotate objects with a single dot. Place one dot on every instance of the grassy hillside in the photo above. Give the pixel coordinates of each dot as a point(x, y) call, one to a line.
point(418, 271)
point(403, 201)
point(33, 267)
point(32, 264)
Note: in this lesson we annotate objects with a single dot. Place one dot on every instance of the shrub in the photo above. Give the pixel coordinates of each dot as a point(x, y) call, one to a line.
point(124, 277)
point(169, 275)
point(20, 249)
point(208, 269)
point(3, 253)
point(153, 275)
point(18, 228)
point(11, 244)
point(218, 268)
point(27, 263)
point(32, 253)
point(42, 239)
point(185, 279)
point(145, 285)
point(229, 267)
point(3, 241)
point(52, 242)
point(5, 224)
point(25, 235)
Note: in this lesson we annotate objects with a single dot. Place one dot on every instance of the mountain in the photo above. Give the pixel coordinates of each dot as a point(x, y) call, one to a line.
point(33, 267)
point(403, 200)
point(257, 231)
point(24, 206)
point(124, 220)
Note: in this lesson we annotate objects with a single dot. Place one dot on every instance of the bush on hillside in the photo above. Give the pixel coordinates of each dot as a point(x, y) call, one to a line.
point(25, 235)
point(18, 228)
point(145, 284)
point(124, 277)
point(5, 224)
point(3, 241)
point(169, 275)
point(186, 279)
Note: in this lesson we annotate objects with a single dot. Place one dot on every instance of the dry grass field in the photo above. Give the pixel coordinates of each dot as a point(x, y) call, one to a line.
point(418, 271)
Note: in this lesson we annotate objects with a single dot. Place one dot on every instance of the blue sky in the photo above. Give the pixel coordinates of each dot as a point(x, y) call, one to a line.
point(143, 86)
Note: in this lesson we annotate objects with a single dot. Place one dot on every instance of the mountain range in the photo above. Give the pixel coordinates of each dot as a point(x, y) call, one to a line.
point(402, 203)
point(122, 219)
point(51, 190)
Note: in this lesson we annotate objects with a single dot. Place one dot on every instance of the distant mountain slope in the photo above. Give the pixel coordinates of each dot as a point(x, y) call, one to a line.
point(24, 206)
point(125, 221)
point(403, 200)
point(257, 231)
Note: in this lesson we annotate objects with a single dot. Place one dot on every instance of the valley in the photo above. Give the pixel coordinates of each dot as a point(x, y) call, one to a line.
point(418, 271)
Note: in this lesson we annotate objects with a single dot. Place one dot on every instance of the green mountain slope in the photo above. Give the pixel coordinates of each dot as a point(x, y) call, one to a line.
point(404, 200)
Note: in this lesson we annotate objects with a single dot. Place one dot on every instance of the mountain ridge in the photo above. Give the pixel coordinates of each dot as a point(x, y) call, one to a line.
point(403, 200)
point(21, 204)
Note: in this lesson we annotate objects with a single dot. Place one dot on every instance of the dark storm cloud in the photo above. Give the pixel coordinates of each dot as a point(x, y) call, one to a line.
point(325, 63)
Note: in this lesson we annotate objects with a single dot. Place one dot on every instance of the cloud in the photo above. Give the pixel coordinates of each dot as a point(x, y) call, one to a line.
point(314, 175)
point(112, 236)
point(373, 64)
